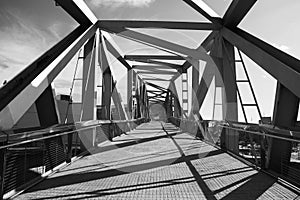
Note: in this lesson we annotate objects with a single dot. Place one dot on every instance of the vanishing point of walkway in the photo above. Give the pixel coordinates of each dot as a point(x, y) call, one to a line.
point(157, 161)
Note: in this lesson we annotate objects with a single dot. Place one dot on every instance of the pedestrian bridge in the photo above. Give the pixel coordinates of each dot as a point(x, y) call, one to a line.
point(147, 136)
point(158, 160)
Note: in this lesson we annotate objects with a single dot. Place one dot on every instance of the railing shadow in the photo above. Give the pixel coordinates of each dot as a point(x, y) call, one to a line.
point(90, 176)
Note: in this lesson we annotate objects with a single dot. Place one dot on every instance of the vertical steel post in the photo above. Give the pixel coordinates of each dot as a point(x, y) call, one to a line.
point(106, 81)
point(195, 83)
point(129, 92)
point(88, 109)
point(107, 93)
point(118, 103)
point(168, 105)
point(284, 116)
point(134, 96)
point(2, 169)
point(225, 77)
point(177, 107)
point(229, 98)
point(137, 95)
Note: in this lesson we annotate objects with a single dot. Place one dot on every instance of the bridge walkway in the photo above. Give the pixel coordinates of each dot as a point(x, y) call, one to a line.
point(158, 161)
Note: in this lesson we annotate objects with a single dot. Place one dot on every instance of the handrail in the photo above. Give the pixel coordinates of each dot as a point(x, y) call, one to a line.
point(262, 129)
point(79, 126)
point(262, 134)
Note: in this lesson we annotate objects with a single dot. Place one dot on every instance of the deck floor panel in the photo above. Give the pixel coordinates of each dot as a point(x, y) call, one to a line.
point(158, 161)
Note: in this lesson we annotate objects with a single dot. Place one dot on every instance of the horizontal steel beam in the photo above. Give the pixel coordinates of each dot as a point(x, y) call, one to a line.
point(157, 73)
point(156, 70)
point(155, 98)
point(166, 64)
point(155, 79)
point(156, 91)
point(160, 24)
point(283, 67)
point(147, 67)
point(155, 86)
point(156, 57)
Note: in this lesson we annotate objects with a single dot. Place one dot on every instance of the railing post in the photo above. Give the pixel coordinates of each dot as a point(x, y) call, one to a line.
point(2, 169)
point(69, 150)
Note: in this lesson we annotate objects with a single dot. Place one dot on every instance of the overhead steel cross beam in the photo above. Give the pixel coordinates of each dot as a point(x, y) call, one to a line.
point(154, 70)
point(152, 57)
point(160, 24)
point(166, 64)
point(155, 79)
point(157, 43)
point(157, 96)
point(156, 73)
point(155, 91)
point(152, 67)
point(155, 86)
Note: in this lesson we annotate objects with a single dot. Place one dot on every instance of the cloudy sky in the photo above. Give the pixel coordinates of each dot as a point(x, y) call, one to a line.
point(30, 27)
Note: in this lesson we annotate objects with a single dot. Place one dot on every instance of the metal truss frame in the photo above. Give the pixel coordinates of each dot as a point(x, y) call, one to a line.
point(283, 65)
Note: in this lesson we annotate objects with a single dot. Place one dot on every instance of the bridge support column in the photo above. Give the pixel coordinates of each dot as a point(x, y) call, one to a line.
point(129, 92)
point(143, 98)
point(138, 96)
point(88, 109)
point(177, 107)
point(285, 116)
point(230, 95)
point(117, 101)
point(106, 94)
point(226, 81)
point(195, 83)
point(168, 105)
point(134, 95)
point(107, 82)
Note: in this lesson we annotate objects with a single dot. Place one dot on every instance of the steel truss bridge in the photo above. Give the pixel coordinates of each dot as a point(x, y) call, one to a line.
point(153, 112)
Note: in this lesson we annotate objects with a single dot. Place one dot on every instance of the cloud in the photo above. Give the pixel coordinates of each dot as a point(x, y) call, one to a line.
point(282, 47)
point(3, 65)
point(120, 3)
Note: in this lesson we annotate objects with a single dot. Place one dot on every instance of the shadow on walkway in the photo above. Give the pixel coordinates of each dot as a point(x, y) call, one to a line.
point(253, 185)
point(84, 177)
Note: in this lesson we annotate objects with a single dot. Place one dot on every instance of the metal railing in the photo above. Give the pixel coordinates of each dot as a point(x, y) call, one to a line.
point(254, 142)
point(27, 157)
